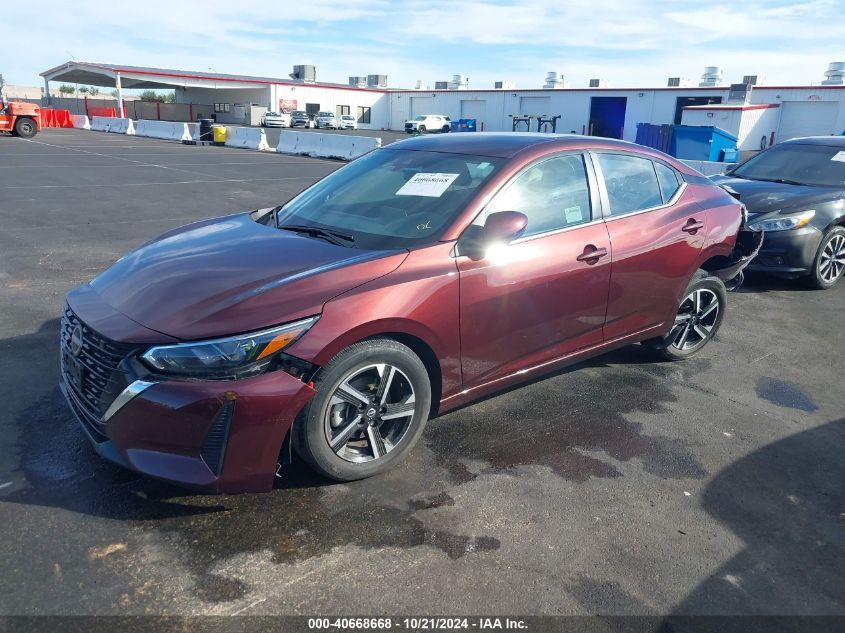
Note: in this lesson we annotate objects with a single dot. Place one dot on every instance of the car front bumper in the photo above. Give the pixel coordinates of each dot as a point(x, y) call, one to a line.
point(218, 436)
point(788, 253)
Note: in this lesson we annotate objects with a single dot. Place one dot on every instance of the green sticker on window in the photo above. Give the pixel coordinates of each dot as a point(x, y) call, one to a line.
point(573, 214)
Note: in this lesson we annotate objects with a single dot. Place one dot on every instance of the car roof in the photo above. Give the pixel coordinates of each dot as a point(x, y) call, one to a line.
point(830, 141)
point(505, 144)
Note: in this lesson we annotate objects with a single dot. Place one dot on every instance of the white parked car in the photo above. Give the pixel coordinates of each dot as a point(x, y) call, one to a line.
point(275, 119)
point(326, 120)
point(428, 123)
point(348, 122)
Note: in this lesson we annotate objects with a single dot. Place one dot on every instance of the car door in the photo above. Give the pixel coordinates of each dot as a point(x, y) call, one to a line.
point(544, 295)
point(657, 235)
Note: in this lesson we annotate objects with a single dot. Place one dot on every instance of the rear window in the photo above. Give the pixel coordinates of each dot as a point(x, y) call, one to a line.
point(631, 183)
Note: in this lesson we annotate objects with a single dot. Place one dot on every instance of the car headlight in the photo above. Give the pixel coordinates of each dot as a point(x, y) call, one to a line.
point(783, 223)
point(232, 357)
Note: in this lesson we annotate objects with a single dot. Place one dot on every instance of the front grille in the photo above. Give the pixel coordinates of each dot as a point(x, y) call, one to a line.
point(91, 376)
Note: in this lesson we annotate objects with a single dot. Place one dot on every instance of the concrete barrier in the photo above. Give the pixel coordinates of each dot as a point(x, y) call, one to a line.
point(111, 124)
point(247, 138)
point(319, 145)
point(708, 168)
point(168, 130)
point(194, 131)
point(80, 121)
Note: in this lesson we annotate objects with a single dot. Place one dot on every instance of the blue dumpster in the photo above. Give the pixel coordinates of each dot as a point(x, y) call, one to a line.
point(655, 136)
point(701, 142)
point(463, 125)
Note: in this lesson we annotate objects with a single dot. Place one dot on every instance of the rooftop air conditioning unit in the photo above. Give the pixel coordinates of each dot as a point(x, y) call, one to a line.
point(358, 82)
point(599, 83)
point(459, 82)
point(504, 85)
point(305, 72)
point(835, 74)
point(711, 77)
point(377, 81)
point(555, 81)
point(677, 82)
point(753, 80)
point(441, 85)
point(739, 93)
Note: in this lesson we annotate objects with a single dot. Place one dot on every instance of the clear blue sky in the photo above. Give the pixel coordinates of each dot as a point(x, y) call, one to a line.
point(629, 42)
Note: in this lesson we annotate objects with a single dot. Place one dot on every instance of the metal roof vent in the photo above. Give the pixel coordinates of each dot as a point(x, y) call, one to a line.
point(555, 81)
point(712, 76)
point(835, 74)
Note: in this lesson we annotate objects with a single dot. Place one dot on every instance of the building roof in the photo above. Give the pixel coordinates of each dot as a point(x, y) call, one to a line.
point(101, 74)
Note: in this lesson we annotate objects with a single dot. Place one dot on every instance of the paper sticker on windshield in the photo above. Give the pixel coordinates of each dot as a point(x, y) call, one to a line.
point(430, 185)
point(573, 214)
point(839, 157)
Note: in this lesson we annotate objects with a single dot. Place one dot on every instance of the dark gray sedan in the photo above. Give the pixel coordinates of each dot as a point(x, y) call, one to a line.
point(795, 192)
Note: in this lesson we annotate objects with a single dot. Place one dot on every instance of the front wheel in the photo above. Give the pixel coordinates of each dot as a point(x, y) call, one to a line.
point(25, 127)
point(445, 129)
point(829, 264)
point(697, 321)
point(421, 129)
point(372, 403)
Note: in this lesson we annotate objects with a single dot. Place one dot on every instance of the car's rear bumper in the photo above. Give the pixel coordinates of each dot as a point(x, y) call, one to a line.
point(788, 253)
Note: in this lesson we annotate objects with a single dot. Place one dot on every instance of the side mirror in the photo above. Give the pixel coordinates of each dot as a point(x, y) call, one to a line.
point(505, 226)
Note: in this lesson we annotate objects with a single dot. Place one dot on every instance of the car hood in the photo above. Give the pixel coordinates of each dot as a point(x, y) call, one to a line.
point(231, 275)
point(762, 197)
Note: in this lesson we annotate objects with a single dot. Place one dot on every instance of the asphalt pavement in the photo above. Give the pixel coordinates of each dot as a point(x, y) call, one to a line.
point(620, 486)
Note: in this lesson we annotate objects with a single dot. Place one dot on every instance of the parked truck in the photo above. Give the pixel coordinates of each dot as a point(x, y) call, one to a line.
point(18, 117)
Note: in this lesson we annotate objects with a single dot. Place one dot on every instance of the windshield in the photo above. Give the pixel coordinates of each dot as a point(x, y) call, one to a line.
point(272, 114)
point(325, 114)
point(348, 117)
point(392, 198)
point(420, 118)
point(299, 113)
point(813, 165)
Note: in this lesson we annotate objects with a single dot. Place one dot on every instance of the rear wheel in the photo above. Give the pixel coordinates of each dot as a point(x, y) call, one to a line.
point(697, 321)
point(829, 264)
point(25, 127)
point(371, 406)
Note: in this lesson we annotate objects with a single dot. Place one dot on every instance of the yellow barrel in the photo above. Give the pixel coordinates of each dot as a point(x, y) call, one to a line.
point(219, 134)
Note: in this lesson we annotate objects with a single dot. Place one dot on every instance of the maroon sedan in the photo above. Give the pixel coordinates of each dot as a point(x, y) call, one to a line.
point(411, 281)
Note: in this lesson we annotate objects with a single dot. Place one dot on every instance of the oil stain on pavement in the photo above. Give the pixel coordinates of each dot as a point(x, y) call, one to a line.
point(785, 394)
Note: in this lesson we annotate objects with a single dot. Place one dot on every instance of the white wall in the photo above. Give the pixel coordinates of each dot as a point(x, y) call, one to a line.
point(328, 98)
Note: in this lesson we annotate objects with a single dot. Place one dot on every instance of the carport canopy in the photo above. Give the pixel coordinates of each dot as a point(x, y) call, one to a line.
point(120, 77)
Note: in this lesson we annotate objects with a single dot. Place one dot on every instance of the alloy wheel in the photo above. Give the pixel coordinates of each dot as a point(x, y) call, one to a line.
point(369, 413)
point(832, 260)
point(696, 319)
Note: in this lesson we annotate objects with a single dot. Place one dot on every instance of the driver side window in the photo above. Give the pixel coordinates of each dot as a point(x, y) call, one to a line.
point(553, 194)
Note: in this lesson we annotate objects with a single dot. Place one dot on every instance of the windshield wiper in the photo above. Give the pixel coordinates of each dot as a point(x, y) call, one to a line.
point(335, 237)
point(783, 181)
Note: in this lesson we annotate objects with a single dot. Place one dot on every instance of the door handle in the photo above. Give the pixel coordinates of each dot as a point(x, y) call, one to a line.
point(692, 226)
point(591, 254)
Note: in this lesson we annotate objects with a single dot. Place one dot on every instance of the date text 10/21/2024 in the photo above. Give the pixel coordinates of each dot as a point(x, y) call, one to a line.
point(417, 623)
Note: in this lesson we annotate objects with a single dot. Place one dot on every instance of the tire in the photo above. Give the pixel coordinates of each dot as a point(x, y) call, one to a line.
point(421, 129)
point(334, 415)
point(829, 263)
point(699, 318)
point(25, 127)
point(445, 129)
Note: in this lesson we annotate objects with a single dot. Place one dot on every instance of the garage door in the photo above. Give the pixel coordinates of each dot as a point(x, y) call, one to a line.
point(474, 110)
point(535, 105)
point(807, 118)
point(422, 105)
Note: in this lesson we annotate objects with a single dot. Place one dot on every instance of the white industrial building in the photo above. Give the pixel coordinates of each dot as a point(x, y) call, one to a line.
point(775, 113)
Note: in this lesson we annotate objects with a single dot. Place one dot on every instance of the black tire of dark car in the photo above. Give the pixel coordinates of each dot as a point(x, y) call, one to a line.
point(340, 435)
point(699, 318)
point(827, 266)
point(25, 127)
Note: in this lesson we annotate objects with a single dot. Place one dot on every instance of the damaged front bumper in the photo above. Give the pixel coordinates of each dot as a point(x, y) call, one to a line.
point(730, 269)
